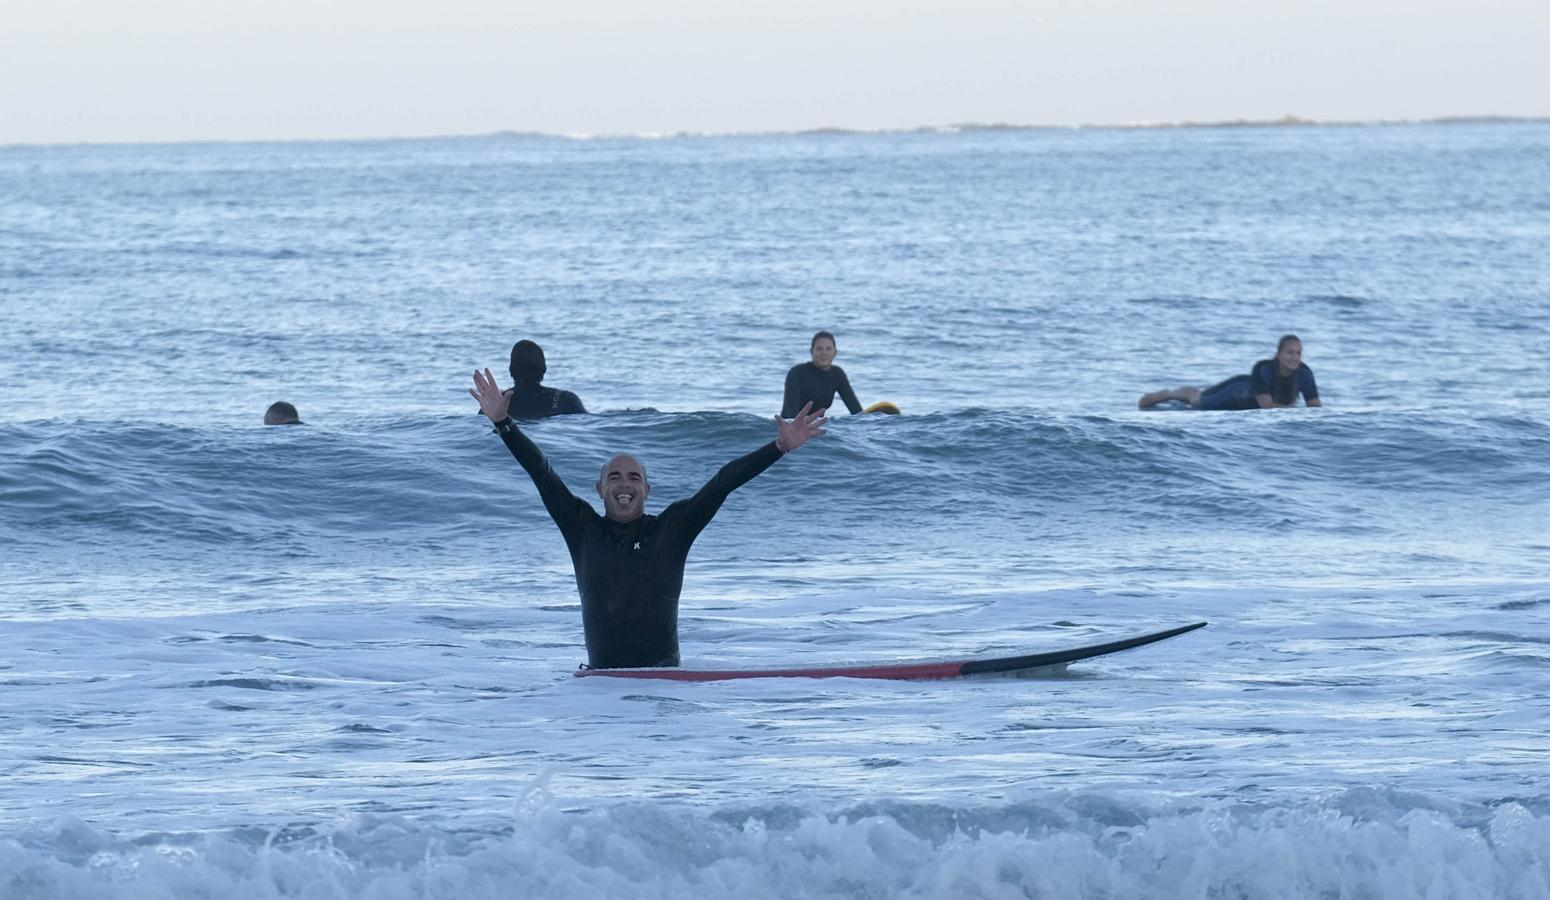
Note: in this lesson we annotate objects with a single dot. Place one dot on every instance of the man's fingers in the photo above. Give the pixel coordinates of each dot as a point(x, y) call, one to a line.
point(485, 381)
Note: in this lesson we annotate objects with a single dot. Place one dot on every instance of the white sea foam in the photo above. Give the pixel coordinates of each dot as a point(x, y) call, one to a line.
point(1087, 846)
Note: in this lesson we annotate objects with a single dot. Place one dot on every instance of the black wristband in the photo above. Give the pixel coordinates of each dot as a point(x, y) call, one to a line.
point(505, 426)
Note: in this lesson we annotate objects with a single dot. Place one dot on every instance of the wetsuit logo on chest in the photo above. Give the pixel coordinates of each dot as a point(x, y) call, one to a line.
point(629, 543)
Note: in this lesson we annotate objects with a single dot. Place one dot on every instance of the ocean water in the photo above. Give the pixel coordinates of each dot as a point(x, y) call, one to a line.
point(334, 661)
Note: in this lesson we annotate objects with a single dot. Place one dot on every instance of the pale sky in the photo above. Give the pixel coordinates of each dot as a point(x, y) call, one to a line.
point(174, 70)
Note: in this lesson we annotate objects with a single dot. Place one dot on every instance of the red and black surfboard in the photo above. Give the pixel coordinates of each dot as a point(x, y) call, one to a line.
point(904, 671)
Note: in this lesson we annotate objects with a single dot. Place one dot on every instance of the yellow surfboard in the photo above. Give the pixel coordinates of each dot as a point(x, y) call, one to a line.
point(882, 406)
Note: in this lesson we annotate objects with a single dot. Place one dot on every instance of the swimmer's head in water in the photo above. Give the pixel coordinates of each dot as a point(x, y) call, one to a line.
point(823, 349)
point(527, 363)
point(281, 413)
point(1289, 352)
point(624, 488)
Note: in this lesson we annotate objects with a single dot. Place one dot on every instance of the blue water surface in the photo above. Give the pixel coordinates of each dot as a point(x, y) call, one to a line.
point(334, 660)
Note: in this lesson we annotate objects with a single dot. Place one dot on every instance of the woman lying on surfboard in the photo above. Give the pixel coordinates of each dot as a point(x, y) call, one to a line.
point(1272, 383)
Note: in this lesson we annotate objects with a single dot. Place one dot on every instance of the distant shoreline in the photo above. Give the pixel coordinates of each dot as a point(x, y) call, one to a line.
point(1283, 122)
point(1289, 121)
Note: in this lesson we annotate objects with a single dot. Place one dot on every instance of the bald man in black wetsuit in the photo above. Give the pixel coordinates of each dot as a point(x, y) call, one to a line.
point(630, 565)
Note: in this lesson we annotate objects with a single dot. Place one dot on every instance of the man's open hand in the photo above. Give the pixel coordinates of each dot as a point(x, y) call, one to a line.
point(492, 402)
point(798, 431)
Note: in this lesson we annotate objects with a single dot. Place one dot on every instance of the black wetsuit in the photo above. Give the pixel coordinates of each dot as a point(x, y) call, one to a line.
point(534, 401)
point(1283, 389)
point(807, 382)
point(631, 573)
point(1242, 391)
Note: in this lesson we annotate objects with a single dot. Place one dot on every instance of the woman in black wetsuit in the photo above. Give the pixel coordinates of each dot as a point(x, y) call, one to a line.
point(1272, 383)
point(817, 382)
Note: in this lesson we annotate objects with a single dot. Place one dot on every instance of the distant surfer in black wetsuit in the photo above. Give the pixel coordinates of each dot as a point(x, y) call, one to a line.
point(528, 398)
point(630, 565)
point(281, 413)
point(1273, 383)
point(815, 383)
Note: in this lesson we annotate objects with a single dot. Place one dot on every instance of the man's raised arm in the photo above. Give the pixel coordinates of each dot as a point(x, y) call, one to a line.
point(563, 506)
point(790, 434)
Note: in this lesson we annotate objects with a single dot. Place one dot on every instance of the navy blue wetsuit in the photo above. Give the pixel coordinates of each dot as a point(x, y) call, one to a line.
point(534, 401)
point(631, 573)
point(806, 382)
point(1242, 391)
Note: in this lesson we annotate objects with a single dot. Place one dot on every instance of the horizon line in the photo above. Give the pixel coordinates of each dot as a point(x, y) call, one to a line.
point(1287, 121)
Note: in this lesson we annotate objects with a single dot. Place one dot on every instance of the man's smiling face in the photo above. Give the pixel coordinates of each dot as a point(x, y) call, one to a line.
point(624, 488)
